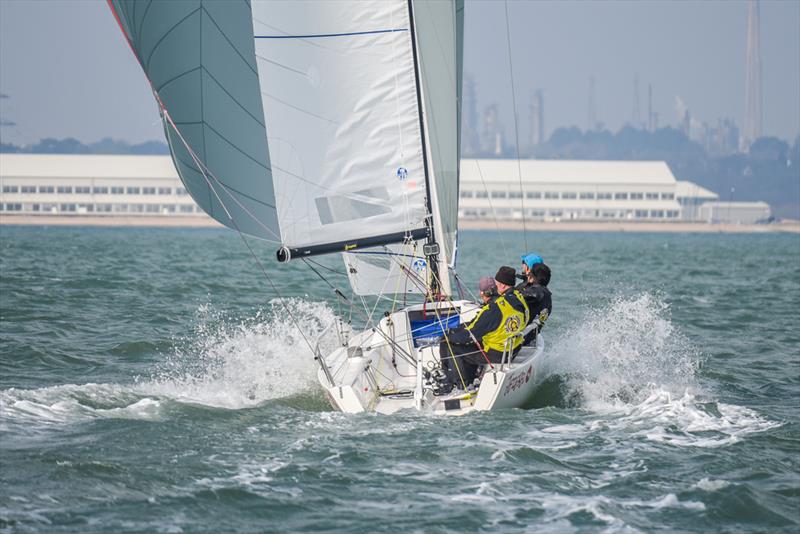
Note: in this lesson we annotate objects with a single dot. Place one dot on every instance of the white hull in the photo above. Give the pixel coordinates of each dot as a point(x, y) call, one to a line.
point(381, 370)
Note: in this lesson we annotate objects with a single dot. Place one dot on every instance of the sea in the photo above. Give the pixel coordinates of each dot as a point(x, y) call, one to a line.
point(152, 380)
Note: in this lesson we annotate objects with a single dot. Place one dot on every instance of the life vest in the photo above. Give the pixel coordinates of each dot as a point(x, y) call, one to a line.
point(512, 322)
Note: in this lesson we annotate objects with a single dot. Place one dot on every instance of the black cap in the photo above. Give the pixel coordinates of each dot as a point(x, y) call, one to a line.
point(506, 275)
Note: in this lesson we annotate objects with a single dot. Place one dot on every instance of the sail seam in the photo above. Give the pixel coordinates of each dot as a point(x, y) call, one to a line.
point(194, 168)
point(161, 39)
point(255, 71)
point(324, 35)
point(259, 121)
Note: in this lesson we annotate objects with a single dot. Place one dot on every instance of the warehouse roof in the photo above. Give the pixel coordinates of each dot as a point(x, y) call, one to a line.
point(85, 165)
point(567, 171)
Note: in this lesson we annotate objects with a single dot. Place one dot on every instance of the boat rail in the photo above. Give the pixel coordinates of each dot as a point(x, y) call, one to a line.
point(318, 354)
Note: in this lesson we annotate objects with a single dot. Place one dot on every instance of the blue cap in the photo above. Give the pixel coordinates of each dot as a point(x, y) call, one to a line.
point(532, 259)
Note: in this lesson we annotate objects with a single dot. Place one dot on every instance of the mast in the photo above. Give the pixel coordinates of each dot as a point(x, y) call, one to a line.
point(431, 247)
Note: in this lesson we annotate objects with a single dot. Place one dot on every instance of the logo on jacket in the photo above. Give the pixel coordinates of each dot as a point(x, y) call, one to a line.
point(513, 324)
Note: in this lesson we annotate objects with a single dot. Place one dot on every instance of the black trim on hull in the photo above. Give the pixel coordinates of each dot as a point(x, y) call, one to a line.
point(285, 254)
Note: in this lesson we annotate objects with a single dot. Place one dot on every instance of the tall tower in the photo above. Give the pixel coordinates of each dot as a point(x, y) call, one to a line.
point(591, 119)
point(752, 114)
point(537, 118)
point(636, 118)
point(470, 141)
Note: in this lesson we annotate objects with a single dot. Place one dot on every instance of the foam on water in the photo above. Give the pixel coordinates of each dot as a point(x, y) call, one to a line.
point(240, 364)
point(224, 364)
point(628, 363)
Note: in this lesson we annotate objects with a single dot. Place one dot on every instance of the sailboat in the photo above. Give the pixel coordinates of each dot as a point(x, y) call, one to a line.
point(334, 127)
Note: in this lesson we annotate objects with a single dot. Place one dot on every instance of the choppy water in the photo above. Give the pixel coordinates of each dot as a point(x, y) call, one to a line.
point(148, 382)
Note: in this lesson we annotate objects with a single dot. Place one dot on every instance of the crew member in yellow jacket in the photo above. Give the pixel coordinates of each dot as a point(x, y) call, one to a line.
point(503, 316)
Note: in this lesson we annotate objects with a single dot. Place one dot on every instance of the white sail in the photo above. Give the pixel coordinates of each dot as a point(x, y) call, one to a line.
point(439, 28)
point(388, 270)
point(341, 108)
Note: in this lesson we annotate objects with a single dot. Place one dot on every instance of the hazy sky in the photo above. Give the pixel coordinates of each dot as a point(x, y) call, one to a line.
point(67, 71)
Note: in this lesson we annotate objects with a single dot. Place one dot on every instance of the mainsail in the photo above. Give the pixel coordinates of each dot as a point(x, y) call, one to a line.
point(323, 126)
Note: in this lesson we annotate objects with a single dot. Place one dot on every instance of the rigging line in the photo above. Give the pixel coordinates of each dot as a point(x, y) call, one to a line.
point(331, 269)
point(491, 207)
point(252, 252)
point(516, 127)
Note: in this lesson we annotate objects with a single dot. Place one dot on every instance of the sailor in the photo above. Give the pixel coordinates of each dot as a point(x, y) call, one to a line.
point(528, 261)
point(502, 317)
point(537, 296)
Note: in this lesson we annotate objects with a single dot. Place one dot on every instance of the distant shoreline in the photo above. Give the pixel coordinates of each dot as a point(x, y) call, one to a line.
point(171, 221)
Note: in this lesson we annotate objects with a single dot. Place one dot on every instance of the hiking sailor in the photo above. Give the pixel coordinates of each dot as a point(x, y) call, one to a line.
point(535, 292)
point(465, 348)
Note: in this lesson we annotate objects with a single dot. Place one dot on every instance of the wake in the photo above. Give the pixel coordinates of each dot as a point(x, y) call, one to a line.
point(627, 365)
point(225, 363)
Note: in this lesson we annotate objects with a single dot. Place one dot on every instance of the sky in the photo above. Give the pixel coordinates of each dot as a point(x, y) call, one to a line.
point(66, 71)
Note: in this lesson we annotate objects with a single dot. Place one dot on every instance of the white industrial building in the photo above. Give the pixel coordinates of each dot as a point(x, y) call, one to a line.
point(46, 184)
point(545, 190)
point(558, 190)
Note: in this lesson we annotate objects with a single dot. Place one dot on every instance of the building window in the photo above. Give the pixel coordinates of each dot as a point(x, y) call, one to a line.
point(667, 196)
point(116, 190)
point(119, 208)
point(641, 214)
point(537, 213)
point(657, 214)
point(180, 191)
point(651, 196)
point(62, 189)
point(637, 196)
point(10, 189)
point(620, 196)
point(66, 207)
point(168, 208)
point(603, 196)
point(136, 208)
point(82, 189)
point(133, 190)
point(151, 208)
point(28, 188)
point(186, 208)
point(671, 214)
point(587, 195)
point(103, 208)
point(555, 213)
point(533, 194)
point(481, 194)
point(515, 194)
point(148, 190)
point(164, 190)
point(466, 194)
point(550, 194)
point(35, 207)
point(46, 189)
point(100, 190)
point(569, 196)
point(498, 194)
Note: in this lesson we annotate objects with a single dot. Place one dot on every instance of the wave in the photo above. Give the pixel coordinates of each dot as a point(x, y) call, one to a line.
point(627, 363)
point(225, 363)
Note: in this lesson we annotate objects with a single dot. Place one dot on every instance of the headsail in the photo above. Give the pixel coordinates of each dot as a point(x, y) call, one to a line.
point(440, 39)
point(199, 58)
